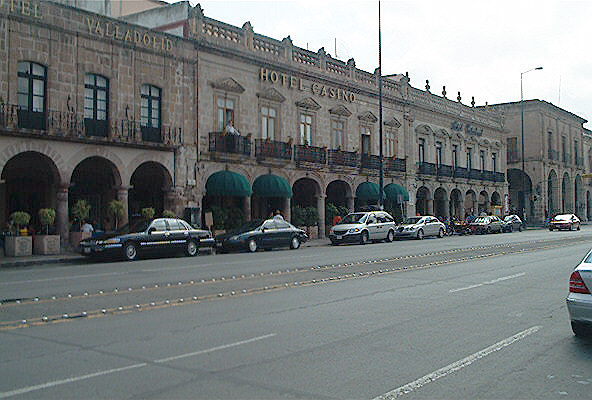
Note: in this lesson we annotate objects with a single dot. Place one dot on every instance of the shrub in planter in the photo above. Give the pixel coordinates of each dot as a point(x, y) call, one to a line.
point(16, 246)
point(219, 215)
point(168, 214)
point(117, 209)
point(235, 219)
point(148, 213)
point(46, 244)
point(80, 212)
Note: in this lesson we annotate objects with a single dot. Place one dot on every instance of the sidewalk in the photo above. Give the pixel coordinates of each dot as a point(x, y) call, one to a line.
point(11, 262)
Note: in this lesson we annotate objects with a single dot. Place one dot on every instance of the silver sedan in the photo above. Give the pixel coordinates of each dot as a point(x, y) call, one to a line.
point(579, 300)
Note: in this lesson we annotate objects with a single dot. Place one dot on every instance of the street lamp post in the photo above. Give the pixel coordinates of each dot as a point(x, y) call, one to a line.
point(381, 154)
point(522, 140)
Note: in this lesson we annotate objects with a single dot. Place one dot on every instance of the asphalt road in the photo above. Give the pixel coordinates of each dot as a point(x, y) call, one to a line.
point(460, 317)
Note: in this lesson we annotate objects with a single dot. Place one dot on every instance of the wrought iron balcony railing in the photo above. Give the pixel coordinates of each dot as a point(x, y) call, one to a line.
point(344, 158)
point(426, 168)
point(370, 161)
point(444, 170)
point(395, 165)
point(272, 149)
point(460, 172)
point(475, 174)
point(232, 144)
point(500, 177)
point(317, 155)
point(553, 155)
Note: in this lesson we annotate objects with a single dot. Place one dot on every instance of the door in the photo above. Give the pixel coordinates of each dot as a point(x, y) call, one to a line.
point(373, 227)
point(157, 238)
point(269, 234)
point(284, 233)
point(179, 234)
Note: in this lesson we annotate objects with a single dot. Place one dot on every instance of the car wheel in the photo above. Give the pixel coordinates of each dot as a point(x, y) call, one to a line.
point(294, 243)
point(441, 233)
point(130, 251)
point(420, 234)
point(390, 236)
point(578, 227)
point(252, 245)
point(520, 228)
point(364, 238)
point(191, 250)
point(488, 230)
point(550, 229)
point(579, 329)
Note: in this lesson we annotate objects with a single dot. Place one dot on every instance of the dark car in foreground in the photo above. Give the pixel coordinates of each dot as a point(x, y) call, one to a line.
point(579, 300)
point(157, 237)
point(262, 234)
point(512, 223)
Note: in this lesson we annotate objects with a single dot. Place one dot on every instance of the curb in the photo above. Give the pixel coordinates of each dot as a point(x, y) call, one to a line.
point(27, 263)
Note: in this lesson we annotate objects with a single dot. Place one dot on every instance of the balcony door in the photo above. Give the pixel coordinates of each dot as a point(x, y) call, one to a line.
point(151, 113)
point(96, 101)
point(32, 102)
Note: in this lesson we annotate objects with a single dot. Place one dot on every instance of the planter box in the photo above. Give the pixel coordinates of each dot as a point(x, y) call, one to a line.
point(18, 246)
point(312, 232)
point(76, 237)
point(46, 244)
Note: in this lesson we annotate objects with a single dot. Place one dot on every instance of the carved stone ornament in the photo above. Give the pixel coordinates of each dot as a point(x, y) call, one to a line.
point(367, 117)
point(424, 129)
point(443, 133)
point(340, 110)
point(393, 123)
point(228, 85)
point(271, 94)
point(309, 103)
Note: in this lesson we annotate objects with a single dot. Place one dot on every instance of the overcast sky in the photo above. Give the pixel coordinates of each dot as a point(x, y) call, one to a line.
point(476, 47)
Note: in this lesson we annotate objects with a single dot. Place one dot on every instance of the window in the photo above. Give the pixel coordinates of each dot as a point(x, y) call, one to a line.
point(306, 129)
point(268, 122)
point(494, 162)
point(175, 225)
point(564, 148)
point(438, 153)
point(365, 138)
point(421, 150)
point(268, 225)
point(32, 79)
point(282, 225)
point(96, 104)
point(576, 152)
point(469, 158)
point(159, 225)
point(482, 159)
point(454, 156)
point(337, 134)
point(150, 113)
point(550, 140)
point(391, 143)
point(512, 149)
point(225, 113)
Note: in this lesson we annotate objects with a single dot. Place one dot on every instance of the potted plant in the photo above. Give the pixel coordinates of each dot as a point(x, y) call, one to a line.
point(168, 214)
point(19, 244)
point(306, 218)
point(148, 213)
point(117, 209)
point(219, 216)
point(80, 213)
point(46, 244)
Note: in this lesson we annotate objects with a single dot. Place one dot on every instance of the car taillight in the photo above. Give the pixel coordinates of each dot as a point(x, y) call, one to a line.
point(576, 283)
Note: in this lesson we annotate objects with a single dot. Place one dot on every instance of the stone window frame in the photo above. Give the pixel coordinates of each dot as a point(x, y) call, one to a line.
point(344, 139)
point(150, 98)
point(370, 128)
point(391, 137)
point(235, 114)
point(313, 115)
point(277, 134)
point(96, 89)
point(31, 76)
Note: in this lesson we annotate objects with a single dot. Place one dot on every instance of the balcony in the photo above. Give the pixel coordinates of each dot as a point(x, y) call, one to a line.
point(231, 144)
point(370, 161)
point(311, 154)
point(475, 174)
point(272, 149)
point(460, 172)
point(74, 127)
point(426, 168)
point(339, 158)
point(499, 176)
point(395, 165)
point(513, 156)
point(444, 171)
point(553, 155)
point(488, 176)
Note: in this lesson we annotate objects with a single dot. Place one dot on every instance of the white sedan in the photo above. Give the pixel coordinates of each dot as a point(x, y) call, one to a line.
point(579, 300)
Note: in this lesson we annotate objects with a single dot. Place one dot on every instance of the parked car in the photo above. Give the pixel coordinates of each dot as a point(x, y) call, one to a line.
point(159, 236)
point(487, 224)
point(420, 227)
point(568, 222)
point(579, 300)
point(512, 223)
point(262, 234)
point(363, 227)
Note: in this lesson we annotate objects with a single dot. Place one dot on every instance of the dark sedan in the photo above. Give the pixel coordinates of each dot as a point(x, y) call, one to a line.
point(156, 237)
point(262, 234)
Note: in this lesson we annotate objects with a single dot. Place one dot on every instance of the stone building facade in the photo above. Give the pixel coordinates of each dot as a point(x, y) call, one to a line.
point(98, 108)
point(557, 155)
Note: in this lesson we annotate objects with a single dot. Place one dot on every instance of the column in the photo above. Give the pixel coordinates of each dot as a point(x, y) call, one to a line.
point(446, 207)
point(62, 222)
point(430, 206)
point(122, 195)
point(286, 209)
point(247, 207)
point(175, 201)
point(321, 210)
point(350, 203)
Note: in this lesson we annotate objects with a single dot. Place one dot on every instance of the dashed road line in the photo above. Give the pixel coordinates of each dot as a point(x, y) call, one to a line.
point(503, 278)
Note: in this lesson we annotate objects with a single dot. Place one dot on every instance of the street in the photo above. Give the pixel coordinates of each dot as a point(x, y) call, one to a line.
point(458, 317)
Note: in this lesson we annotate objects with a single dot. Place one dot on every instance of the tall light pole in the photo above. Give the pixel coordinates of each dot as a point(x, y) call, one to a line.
point(381, 156)
point(522, 139)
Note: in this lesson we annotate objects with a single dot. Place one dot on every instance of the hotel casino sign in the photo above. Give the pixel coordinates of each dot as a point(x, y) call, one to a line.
point(292, 82)
point(27, 8)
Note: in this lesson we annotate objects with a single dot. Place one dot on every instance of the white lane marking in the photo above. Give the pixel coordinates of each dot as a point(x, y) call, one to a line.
point(68, 380)
point(503, 278)
point(226, 346)
point(46, 385)
point(449, 369)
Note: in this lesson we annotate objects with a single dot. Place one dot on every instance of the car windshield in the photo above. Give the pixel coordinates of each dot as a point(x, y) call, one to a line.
point(412, 220)
point(250, 225)
point(137, 226)
point(356, 218)
point(481, 220)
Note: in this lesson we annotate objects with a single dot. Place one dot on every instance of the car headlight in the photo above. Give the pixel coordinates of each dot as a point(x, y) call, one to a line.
point(109, 241)
point(354, 230)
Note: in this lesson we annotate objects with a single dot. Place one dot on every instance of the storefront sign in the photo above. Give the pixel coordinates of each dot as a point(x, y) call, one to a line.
point(28, 8)
point(292, 82)
point(109, 29)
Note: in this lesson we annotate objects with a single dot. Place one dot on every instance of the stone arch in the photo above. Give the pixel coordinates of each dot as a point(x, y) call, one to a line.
point(35, 146)
point(423, 201)
point(424, 129)
point(441, 209)
point(496, 199)
point(149, 184)
point(456, 204)
point(579, 205)
point(339, 192)
point(306, 192)
point(470, 202)
point(483, 205)
point(520, 188)
point(101, 152)
point(151, 157)
point(552, 193)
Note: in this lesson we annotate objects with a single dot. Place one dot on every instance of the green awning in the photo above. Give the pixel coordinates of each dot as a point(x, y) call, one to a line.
point(396, 193)
point(272, 186)
point(228, 183)
point(368, 191)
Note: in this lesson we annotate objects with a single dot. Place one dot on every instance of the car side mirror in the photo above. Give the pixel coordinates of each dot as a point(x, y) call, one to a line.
point(151, 230)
